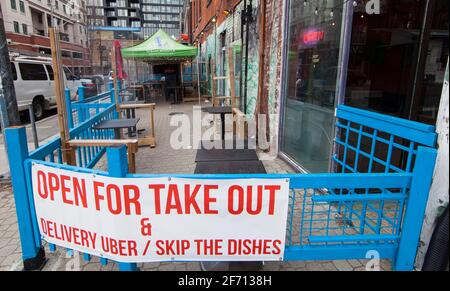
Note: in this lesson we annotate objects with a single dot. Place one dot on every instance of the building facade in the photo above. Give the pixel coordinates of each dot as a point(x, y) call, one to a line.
point(319, 54)
point(27, 22)
point(303, 58)
point(149, 15)
point(216, 26)
point(130, 22)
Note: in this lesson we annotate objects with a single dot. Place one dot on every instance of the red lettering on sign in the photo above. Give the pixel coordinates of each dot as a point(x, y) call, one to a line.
point(65, 190)
point(172, 247)
point(157, 188)
point(272, 191)
point(129, 200)
point(240, 199)
point(189, 198)
point(80, 192)
point(97, 196)
point(258, 200)
point(173, 200)
point(120, 247)
point(114, 202)
point(53, 185)
point(313, 36)
point(239, 247)
point(208, 199)
point(42, 185)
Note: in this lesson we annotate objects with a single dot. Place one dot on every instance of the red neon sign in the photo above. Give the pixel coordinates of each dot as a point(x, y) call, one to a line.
point(313, 36)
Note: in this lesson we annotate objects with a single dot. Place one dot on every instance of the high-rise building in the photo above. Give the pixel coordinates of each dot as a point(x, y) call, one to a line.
point(149, 15)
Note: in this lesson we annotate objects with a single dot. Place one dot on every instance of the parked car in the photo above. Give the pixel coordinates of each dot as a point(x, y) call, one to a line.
point(91, 88)
point(34, 83)
point(98, 80)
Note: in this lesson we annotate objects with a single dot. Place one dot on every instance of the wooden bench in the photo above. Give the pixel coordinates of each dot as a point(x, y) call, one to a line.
point(132, 147)
point(150, 139)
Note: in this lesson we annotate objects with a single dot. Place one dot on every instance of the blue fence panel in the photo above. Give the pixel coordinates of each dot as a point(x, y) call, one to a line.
point(374, 202)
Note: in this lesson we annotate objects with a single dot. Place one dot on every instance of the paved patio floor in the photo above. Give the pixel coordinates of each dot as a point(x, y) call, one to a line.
point(162, 159)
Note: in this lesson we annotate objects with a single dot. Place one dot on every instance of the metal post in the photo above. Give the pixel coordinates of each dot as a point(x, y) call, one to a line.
point(111, 92)
point(81, 111)
point(415, 208)
point(198, 76)
point(69, 109)
point(248, 13)
point(118, 167)
point(33, 126)
point(33, 255)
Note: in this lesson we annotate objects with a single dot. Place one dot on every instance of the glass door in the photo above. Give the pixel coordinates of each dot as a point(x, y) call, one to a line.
point(312, 66)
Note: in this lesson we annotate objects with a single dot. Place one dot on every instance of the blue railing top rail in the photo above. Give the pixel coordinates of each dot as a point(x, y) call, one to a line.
point(47, 149)
point(95, 98)
point(414, 131)
point(297, 181)
point(43, 151)
point(88, 123)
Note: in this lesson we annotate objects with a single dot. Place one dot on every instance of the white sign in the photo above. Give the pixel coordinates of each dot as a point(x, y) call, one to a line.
point(160, 219)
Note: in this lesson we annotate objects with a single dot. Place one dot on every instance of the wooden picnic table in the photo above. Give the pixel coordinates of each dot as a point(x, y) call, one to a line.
point(117, 125)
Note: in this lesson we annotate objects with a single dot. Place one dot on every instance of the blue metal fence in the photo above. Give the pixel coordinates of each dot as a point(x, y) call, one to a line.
point(374, 202)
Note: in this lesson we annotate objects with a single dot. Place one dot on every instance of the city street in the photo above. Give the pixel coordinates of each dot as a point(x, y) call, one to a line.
point(46, 129)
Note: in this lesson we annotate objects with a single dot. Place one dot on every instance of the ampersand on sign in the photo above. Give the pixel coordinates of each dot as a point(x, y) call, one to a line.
point(146, 227)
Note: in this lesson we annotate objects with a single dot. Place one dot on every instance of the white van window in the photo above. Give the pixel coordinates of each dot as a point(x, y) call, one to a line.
point(69, 75)
point(32, 72)
point(14, 72)
point(50, 71)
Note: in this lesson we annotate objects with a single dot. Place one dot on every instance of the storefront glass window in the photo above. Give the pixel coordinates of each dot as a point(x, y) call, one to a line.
point(427, 105)
point(312, 68)
point(384, 62)
point(383, 56)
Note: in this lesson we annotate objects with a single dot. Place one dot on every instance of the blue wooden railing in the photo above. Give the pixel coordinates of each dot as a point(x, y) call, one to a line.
point(372, 202)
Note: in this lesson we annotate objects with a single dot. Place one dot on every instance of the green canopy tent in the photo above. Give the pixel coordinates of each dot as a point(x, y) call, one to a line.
point(160, 49)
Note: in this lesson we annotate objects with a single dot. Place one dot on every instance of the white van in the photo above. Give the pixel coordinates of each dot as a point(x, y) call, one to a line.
point(34, 83)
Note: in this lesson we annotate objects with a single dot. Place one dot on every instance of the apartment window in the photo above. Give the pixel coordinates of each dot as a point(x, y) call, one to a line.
point(77, 55)
point(122, 12)
point(56, 5)
point(66, 54)
point(13, 4)
point(22, 6)
point(16, 27)
point(24, 28)
point(65, 9)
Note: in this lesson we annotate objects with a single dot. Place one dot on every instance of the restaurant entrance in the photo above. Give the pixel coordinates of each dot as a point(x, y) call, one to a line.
point(392, 62)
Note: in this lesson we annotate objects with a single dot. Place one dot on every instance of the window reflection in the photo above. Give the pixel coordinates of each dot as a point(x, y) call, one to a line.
point(312, 68)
